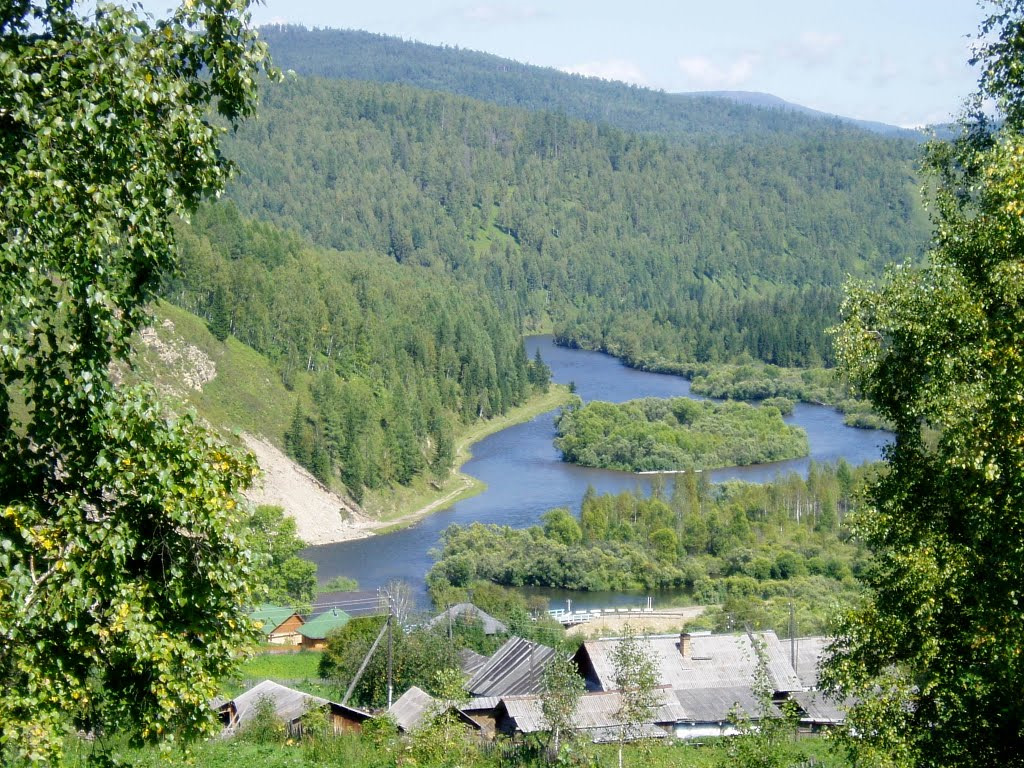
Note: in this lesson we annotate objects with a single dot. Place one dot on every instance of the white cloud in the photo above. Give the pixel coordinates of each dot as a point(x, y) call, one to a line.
point(501, 13)
point(707, 75)
point(610, 69)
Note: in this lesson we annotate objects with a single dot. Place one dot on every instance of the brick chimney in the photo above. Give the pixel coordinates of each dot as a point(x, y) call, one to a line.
point(685, 647)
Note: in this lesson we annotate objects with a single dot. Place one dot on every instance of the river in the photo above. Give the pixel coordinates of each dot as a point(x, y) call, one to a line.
point(525, 476)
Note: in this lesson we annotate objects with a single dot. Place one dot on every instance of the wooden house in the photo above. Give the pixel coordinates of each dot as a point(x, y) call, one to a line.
point(468, 611)
point(280, 625)
point(416, 707)
point(711, 676)
point(313, 634)
point(515, 669)
point(595, 716)
point(289, 706)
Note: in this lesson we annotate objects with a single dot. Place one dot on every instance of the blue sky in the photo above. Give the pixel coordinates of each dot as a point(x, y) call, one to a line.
point(897, 61)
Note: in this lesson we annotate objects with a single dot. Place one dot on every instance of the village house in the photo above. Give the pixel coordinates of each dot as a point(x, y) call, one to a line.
point(711, 676)
point(289, 706)
point(280, 625)
point(464, 611)
point(470, 661)
point(814, 710)
point(416, 707)
point(515, 669)
point(595, 716)
point(313, 634)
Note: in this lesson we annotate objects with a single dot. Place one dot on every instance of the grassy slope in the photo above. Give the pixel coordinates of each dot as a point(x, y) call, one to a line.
point(247, 394)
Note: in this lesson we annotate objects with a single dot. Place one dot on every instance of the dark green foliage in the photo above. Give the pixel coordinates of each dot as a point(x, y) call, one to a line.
point(290, 579)
point(392, 356)
point(265, 727)
point(656, 250)
point(676, 433)
point(737, 544)
point(419, 655)
point(124, 564)
point(933, 654)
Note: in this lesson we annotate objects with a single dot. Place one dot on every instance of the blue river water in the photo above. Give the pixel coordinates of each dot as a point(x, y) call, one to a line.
point(525, 476)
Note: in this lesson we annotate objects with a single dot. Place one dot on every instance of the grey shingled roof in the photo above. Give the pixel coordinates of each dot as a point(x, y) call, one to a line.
point(715, 661)
point(593, 711)
point(289, 704)
point(515, 669)
point(490, 624)
point(470, 661)
point(818, 710)
point(481, 703)
point(809, 651)
point(715, 705)
point(411, 708)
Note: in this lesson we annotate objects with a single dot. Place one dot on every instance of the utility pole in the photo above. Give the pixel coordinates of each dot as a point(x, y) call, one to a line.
point(362, 667)
point(391, 649)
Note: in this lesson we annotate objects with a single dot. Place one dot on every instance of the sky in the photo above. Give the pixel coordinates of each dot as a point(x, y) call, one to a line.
point(902, 62)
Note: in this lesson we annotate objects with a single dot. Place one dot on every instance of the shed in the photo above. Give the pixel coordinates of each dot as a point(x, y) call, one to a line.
point(483, 710)
point(280, 625)
point(491, 625)
point(816, 712)
point(289, 705)
point(515, 669)
point(415, 707)
point(596, 715)
point(314, 632)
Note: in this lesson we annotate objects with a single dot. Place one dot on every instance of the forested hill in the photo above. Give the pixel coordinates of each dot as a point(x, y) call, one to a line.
point(357, 55)
point(386, 362)
point(635, 243)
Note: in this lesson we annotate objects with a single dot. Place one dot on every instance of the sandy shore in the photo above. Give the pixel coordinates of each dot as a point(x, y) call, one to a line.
point(321, 516)
point(324, 517)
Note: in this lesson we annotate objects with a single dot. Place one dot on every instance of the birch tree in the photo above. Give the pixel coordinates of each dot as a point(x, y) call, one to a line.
point(123, 571)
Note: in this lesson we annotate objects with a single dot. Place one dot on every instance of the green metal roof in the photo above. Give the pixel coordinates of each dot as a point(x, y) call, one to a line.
point(271, 616)
point(318, 627)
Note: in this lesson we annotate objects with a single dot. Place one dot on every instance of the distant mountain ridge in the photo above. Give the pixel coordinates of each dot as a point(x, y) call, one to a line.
point(770, 101)
point(358, 55)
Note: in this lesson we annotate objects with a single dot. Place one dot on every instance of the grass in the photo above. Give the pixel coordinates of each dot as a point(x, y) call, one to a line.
point(246, 392)
point(299, 670)
point(283, 666)
point(355, 752)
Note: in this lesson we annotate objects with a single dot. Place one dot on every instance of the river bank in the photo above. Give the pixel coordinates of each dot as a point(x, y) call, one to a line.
point(402, 507)
point(525, 475)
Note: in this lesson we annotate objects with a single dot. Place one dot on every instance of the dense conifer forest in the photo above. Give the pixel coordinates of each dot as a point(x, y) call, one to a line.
point(388, 359)
point(357, 55)
point(637, 243)
point(674, 233)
